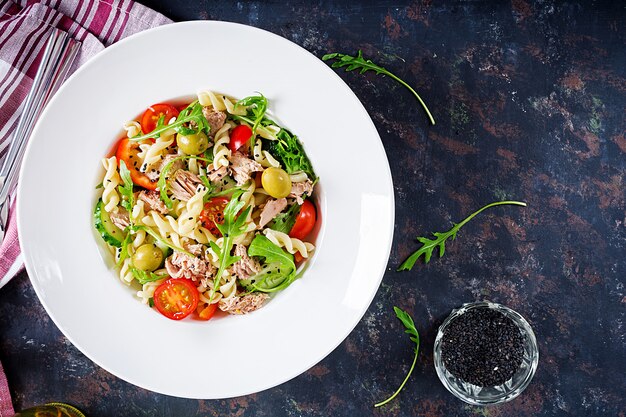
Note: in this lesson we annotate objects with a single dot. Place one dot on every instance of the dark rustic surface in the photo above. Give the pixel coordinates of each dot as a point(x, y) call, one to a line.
point(529, 99)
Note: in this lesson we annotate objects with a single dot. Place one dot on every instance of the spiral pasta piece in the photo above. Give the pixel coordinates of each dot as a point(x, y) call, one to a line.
point(221, 153)
point(264, 157)
point(111, 180)
point(220, 102)
point(188, 219)
point(132, 129)
point(126, 276)
point(167, 227)
point(154, 153)
point(291, 245)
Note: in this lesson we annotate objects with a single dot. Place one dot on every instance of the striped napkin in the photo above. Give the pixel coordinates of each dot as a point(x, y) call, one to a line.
point(24, 27)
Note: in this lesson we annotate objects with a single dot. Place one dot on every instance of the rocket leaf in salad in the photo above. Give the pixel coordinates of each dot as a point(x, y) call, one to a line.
point(288, 150)
point(234, 225)
point(284, 222)
point(126, 189)
point(280, 269)
point(189, 121)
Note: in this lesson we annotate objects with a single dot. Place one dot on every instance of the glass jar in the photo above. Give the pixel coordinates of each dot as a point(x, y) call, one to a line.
point(477, 395)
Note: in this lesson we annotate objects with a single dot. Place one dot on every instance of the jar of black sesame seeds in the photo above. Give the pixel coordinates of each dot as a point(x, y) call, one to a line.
point(485, 353)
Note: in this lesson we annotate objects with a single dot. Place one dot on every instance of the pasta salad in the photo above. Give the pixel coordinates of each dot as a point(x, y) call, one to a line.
point(207, 206)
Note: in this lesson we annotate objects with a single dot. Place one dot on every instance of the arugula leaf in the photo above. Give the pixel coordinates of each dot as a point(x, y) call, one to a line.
point(126, 190)
point(151, 302)
point(191, 116)
point(407, 321)
point(358, 62)
point(144, 277)
point(288, 150)
point(123, 252)
point(256, 108)
point(280, 269)
point(284, 222)
point(99, 186)
point(428, 245)
point(159, 239)
point(233, 226)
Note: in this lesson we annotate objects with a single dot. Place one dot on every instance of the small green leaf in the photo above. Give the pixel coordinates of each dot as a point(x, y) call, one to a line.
point(352, 63)
point(428, 245)
point(410, 329)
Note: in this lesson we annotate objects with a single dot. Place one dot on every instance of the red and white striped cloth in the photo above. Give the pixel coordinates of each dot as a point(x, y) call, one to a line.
point(24, 27)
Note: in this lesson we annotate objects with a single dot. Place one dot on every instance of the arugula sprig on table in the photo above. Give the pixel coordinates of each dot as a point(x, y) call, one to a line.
point(429, 245)
point(352, 63)
point(410, 329)
point(234, 225)
point(189, 121)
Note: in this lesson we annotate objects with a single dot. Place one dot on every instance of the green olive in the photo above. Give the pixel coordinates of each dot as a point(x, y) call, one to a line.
point(193, 144)
point(276, 182)
point(147, 257)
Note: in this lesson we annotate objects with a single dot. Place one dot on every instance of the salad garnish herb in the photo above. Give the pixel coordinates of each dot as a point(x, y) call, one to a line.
point(256, 107)
point(234, 225)
point(407, 321)
point(288, 150)
point(280, 271)
point(358, 62)
point(126, 190)
point(284, 222)
point(428, 245)
point(159, 239)
point(144, 277)
point(189, 121)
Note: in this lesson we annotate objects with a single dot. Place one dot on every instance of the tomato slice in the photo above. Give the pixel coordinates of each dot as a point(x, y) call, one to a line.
point(239, 137)
point(127, 151)
point(153, 113)
point(213, 213)
point(176, 298)
point(208, 312)
point(305, 221)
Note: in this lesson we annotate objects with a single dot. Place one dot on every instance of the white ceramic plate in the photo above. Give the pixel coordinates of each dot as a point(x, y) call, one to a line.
point(236, 355)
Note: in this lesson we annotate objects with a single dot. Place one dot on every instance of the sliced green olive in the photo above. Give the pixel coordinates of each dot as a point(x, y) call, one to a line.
point(276, 182)
point(147, 257)
point(193, 144)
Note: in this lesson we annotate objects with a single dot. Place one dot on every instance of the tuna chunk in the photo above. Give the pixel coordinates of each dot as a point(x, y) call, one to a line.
point(243, 305)
point(153, 200)
point(184, 184)
point(120, 218)
point(215, 118)
point(216, 175)
point(154, 171)
point(180, 265)
point(271, 209)
point(301, 190)
point(242, 167)
point(246, 266)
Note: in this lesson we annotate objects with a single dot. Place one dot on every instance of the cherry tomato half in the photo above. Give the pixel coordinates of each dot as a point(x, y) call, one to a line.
point(127, 151)
point(176, 298)
point(239, 137)
point(153, 113)
point(305, 221)
point(207, 312)
point(213, 213)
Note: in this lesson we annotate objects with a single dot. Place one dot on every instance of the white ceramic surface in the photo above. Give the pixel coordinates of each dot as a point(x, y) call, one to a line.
point(72, 275)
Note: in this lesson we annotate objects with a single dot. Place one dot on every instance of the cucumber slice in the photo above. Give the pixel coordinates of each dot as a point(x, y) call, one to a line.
point(109, 232)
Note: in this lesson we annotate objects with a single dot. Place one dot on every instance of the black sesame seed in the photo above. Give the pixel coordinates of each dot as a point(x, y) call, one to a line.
point(483, 347)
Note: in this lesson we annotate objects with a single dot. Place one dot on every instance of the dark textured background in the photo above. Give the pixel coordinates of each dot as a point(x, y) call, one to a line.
point(529, 99)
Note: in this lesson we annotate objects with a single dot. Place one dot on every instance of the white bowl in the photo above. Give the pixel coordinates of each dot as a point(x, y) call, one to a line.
point(74, 278)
